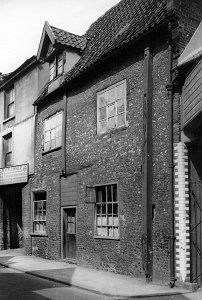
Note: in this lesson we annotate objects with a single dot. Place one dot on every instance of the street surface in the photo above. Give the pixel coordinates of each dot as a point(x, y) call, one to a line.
point(15, 285)
point(189, 296)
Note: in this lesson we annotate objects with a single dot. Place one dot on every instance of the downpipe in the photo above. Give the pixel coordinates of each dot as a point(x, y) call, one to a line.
point(169, 88)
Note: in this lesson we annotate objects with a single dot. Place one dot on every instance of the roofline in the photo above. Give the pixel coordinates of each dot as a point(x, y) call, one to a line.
point(16, 73)
point(46, 29)
point(65, 84)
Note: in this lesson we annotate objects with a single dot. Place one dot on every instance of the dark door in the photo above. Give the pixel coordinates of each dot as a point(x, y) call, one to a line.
point(196, 230)
point(69, 233)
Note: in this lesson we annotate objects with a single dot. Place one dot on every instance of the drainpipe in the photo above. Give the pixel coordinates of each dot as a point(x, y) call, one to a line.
point(171, 165)
point(64, 135)
point(147, 168)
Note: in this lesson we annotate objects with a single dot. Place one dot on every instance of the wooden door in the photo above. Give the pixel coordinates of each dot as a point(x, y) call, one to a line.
point(69, 233)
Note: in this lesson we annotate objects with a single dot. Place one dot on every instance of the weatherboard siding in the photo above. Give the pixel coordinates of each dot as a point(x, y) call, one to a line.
point(192, 95)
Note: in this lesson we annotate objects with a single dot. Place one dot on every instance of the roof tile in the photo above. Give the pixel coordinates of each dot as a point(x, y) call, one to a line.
point(69, 39)
point(117, 27)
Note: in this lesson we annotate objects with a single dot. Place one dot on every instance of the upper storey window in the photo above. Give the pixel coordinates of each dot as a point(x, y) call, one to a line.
point(56, 66)
point(9, 103)
point(53, 132)
point(8, 150)
point(111, 107)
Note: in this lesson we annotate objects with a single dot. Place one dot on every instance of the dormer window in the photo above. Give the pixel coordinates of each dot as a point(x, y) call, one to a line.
point(56, 66)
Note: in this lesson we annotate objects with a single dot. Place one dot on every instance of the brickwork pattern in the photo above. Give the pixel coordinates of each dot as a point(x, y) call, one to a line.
point(117, 157)
point(182, 212)
point(48, 168)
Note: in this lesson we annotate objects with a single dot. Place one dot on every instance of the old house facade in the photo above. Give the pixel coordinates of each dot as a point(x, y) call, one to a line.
point(17, 139)
point(104, 189)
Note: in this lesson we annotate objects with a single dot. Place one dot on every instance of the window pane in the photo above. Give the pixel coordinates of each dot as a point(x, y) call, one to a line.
point(109, 208)
point(10, 110)
point(116, 232)
point(98, 209)
point(10, 96)
point(47, 124)
point(60, 69)
point(104, 231)
point(103, 126)
point(47, 136)
point(121, 120)
point(58, 141)
point(111, 110)
point(99, 221)
point(52, 70)
point(53, 144)
point(102, 113)
point(114, 192)
point(47, 146)
point(111, 95)
point(99, 233)
point(103, 208)
point(120, 91)
point(8, 160)
point(53, 122)
point(109, 196)
point(111, 122)
point(110, 220)
point(115, 209)
point(59, 131)
point(120, 106)
point(102, 100)
point(116, 221)
point(59, 119)
point(110, 229)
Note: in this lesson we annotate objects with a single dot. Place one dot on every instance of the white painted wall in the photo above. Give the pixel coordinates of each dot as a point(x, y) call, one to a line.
point(23, 143)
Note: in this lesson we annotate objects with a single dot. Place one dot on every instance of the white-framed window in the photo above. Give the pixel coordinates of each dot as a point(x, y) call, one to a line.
point(9, 103)
point(106, 211)
point(111, 107)
point(56, 66)
point(53, 132)
point(39, 212)
point(7, 146)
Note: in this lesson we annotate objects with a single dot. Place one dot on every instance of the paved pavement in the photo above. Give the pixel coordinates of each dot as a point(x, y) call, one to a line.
point(102, 282)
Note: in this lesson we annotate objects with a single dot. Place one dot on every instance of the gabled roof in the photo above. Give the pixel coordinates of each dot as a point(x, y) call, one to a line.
point(69, 39)
point(56, 37)
point(123, 23)
point(193, 49)
point(11, 77)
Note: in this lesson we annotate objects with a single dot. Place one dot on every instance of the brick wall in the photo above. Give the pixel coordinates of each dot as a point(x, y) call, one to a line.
point(117, 157)
point(48, 168)
point(189, 17)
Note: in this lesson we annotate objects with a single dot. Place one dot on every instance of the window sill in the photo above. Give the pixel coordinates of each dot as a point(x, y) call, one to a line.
point(113, 130)
point(51, 150)
point(8, 119)
point(42, 234)
point(106, 238)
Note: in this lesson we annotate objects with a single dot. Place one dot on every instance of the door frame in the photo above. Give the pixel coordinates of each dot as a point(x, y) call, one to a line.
point(63, 208)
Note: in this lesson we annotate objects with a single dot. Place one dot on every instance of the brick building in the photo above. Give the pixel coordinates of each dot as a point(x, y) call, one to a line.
point(103, 190)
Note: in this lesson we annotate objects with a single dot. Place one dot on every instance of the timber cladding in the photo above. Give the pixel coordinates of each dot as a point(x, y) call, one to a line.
point(192, 95)
point(69, 190)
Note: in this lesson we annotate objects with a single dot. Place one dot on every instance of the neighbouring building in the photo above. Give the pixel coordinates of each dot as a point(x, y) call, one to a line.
point(188, 158)
point(104, 191)
point(18, 90)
